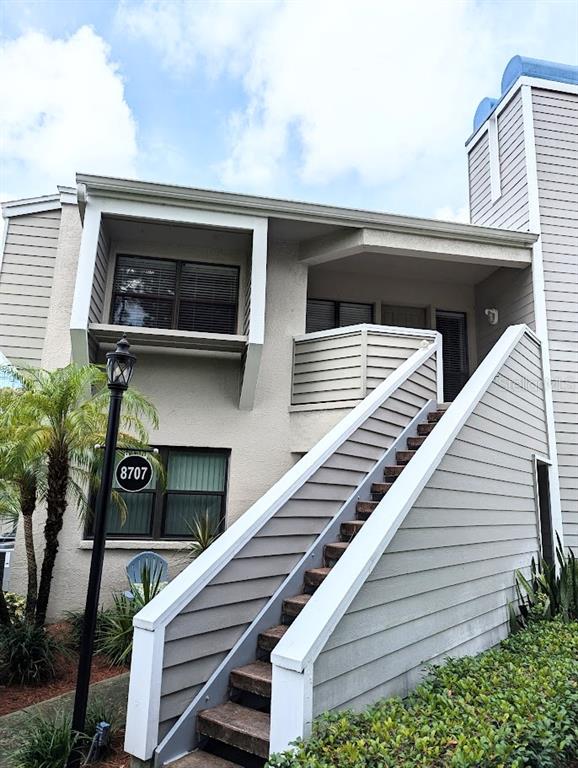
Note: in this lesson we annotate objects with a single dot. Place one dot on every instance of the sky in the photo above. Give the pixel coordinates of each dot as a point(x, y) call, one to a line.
point(360, 103)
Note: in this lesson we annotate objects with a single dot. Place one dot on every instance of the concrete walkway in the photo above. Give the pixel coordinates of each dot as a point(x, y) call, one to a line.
point(113, 691)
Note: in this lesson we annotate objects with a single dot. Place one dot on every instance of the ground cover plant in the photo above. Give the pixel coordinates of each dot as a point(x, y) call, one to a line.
point(515, 706)
point(47, 740)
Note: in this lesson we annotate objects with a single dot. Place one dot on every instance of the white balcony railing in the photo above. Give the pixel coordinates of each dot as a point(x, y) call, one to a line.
point(341, 366)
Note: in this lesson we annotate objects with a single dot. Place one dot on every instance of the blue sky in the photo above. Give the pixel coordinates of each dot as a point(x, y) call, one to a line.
point(356, 103)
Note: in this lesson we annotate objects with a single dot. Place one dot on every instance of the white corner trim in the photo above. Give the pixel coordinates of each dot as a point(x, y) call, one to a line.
point(494, 146)
point(83, 286)
point(68, 195)
point(144, 693)
point(540, 309)
point(181, 590)
point(306, 637)
point(257, 308)
point(439, 368)
point(385, 330)
point(292, 712)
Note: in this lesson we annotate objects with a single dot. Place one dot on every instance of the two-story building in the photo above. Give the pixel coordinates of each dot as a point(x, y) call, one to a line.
point(380, 411)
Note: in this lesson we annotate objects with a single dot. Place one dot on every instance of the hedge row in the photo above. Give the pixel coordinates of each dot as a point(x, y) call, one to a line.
point(515, 706)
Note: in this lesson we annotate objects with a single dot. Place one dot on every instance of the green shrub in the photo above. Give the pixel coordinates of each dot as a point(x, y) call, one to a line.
point(16, 604)
point(27, 654)
point(515, 706)
point(47, 740)
point(75, 620)
point(116, 631)
point(46, 743)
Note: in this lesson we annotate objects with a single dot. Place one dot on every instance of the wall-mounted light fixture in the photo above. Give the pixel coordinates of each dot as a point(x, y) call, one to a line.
point(492, 315)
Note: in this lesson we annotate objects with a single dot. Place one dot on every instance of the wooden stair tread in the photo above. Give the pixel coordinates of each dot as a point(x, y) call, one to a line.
point(349, 528)
point(314, 576)
point(269, 638)
point(242, 727)
point(413, 443)
point(434, 416)
point(200, 759)
point(294, 605)
point(425, 429)
point(254, 677)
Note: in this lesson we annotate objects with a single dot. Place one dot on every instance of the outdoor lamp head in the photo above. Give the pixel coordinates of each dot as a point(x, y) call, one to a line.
point(119, 365)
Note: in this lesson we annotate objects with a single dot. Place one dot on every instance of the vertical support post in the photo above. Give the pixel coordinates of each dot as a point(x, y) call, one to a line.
point(364, 362)
point(94, 579)
point(291, 706)
point(439, 368)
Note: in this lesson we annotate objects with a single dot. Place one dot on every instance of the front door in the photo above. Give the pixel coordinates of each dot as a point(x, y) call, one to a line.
point(453, 328)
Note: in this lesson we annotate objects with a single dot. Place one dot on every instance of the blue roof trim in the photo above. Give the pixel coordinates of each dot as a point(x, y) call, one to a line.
point(517, 67)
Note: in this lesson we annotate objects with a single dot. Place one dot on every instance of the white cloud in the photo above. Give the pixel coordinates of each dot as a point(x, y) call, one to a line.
point(337, 88)
point(63, 110)
point(447, 213)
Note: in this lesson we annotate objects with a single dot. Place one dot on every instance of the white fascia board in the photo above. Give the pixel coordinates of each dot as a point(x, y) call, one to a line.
point(187, 584)
point(540, 309)
point(67, 195)
point(32, 205)
point(261, 207)
point(307, 635)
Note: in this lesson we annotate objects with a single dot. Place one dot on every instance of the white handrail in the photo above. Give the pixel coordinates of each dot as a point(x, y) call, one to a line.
point(385, 330)
point(294, 655)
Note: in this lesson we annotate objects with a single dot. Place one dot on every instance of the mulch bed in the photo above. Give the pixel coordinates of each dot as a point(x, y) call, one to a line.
point(15, 697)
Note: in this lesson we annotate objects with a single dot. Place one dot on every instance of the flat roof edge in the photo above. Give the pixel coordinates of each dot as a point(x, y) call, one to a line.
point(291, 209)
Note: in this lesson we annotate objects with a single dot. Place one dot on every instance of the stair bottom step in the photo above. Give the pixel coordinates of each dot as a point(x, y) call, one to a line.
point(201, 759)
point(241, 727)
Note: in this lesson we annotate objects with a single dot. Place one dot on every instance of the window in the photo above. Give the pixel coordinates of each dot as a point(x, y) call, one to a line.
point(545, 512)
point(323, 315)
point(186, 295)
point(195, 484)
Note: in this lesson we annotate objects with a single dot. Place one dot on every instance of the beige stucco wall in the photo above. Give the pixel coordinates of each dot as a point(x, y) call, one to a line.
point(197, 401)
point(325, 283)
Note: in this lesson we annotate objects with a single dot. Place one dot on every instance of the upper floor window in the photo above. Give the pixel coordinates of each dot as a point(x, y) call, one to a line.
point(323, 315)
point(186, 295)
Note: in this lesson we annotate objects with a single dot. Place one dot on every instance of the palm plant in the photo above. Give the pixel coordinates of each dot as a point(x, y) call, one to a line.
point(22, 482)
point(69, 407)
point(204, 531)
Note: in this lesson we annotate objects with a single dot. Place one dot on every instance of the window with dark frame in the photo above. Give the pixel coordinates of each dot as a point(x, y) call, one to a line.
point(185, 295)
point(324, 314)
point(195, 486)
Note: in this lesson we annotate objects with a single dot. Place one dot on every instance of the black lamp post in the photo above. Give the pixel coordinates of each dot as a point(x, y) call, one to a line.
point(119, 368)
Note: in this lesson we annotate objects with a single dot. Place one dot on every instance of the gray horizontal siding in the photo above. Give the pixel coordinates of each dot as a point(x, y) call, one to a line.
point(226, 607)
point(510, 210)
point(556, 131)
point(443, 585)
point(341, 368)
point(96, 310)
point(26, 279)
point(511, 292)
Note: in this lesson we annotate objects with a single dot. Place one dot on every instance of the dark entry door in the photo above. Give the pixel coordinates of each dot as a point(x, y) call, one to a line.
point(453, 328)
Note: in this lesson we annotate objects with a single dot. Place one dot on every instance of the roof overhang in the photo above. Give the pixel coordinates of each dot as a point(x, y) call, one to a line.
point(228, 202)
point(463, 250)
